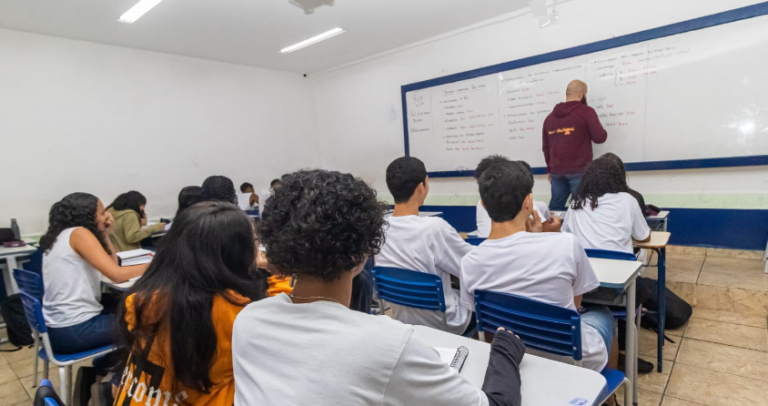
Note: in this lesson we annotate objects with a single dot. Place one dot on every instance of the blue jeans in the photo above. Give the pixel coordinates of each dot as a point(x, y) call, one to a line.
point(562, 187)
point(601, 319)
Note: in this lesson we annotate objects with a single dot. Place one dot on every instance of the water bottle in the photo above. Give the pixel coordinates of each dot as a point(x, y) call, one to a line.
point(15, 228)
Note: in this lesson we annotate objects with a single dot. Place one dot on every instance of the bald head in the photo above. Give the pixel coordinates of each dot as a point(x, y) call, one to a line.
point(576, 91)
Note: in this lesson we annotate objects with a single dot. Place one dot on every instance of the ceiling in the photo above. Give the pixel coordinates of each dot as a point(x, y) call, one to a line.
point(252, 32)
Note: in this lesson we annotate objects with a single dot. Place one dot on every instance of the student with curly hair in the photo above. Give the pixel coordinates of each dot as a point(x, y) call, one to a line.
point(77, 251)
point(309, 348)
point(603, 214)
point(176, 323)
point(130, 221)
point(219, 189)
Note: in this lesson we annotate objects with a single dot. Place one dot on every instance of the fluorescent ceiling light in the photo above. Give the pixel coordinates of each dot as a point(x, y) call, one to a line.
point(314, 40)
point(138, 10)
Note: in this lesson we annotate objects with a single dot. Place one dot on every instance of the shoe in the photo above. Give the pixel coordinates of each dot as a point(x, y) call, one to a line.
point(643, 366)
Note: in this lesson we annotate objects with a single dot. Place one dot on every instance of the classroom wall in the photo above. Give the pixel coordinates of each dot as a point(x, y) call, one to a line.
point(79, 116)
point(359, 110)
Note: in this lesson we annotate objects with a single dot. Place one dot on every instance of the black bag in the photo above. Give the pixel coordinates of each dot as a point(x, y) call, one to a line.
point(678, 311)
point(6, 235)
point(19, 333)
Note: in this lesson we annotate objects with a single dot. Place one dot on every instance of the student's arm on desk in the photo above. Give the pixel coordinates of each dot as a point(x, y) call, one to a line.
point(89, 248)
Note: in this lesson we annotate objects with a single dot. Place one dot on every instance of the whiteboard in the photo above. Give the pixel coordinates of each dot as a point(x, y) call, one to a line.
point(695, 95)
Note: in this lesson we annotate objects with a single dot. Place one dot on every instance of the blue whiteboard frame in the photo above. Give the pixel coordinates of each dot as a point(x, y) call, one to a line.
point(726, 17)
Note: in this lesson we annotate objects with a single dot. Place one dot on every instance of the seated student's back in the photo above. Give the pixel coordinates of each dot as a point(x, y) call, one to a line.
point(130, 219)
point(423, 244)
point(603, 214)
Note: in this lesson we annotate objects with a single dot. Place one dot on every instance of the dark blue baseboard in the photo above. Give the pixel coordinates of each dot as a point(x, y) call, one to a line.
point(713, 228)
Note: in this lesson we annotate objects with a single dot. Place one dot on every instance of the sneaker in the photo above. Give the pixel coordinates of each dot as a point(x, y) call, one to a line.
point(643, 366)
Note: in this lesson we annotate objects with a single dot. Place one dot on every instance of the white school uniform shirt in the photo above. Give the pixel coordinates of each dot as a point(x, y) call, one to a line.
point(549, 267)
point(244, 201)
point(484, 220)
point(324, 354)
point(612, 225)
point(431, 245)
point(72, 286)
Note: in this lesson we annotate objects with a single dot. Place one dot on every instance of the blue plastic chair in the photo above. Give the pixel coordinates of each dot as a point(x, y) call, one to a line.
point(46, 395)
point(475, 240)
point(609, 254)
point(544, 327)
point(34, 312)
point(35, 262)
point(415, 289)
point(32, 283)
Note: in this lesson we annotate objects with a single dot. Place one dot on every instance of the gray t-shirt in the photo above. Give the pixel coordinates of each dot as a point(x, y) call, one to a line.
point(324, 354)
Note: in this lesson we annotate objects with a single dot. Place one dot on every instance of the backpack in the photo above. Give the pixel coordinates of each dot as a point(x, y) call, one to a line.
point(678, 311)
point(19, 333)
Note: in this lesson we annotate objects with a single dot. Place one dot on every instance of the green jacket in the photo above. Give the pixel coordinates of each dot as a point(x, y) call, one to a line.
point(127, 232)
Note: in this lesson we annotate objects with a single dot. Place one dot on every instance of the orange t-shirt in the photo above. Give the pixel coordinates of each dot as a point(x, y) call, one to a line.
point(279, 284)
point(149, 380)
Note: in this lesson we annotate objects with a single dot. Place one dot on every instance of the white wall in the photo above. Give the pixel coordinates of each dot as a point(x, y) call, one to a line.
point(79, 116)
point(359, 114)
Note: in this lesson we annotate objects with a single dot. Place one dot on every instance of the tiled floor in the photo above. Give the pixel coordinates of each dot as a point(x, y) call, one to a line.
point(720, 358)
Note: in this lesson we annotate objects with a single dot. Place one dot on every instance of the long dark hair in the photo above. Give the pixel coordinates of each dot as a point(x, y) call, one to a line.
point(74, 210)
point(219, 189)
point(602, 176)
point(132, 200)
point(210, 251)
point(189, 196)
point(617, 161)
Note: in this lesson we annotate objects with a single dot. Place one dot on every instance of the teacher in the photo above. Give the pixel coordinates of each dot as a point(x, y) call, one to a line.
point(568, 133)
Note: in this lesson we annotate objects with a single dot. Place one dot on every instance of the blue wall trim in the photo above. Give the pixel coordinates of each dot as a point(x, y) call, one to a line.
point(726, 17)
point(712, 228)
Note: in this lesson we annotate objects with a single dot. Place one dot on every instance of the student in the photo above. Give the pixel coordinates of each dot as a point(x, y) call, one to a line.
point(130, 221)
point(77, 251)
point(247, 199)
point(309, 348)
point(620, 164)
point(603, 214)
point(189, 196)
point(424, 244)
point(219, 189)
point(176, 323)
point(549, 267)
point(552, 223)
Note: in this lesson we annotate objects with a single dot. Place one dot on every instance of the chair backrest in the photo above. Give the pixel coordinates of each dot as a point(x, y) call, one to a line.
point(33, 309)
point(46, 395)
point(409, 288)
point(475, 240)
point(545, 327)
point(35, 263)
point(30, 282)
point(609, 254)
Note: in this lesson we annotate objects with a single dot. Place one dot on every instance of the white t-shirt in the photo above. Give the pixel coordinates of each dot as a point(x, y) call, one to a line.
point(548, 267)
point(611, 225)
point(72, 286)
point(484, 220)
point(431, 245)
point(244, 201)
point(324, 354)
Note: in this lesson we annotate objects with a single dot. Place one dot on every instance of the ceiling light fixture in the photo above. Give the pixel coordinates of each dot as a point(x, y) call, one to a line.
point(138, 10)
point(314, 40)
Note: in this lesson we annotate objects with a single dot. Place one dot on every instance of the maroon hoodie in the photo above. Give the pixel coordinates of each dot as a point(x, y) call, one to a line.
point(568, 133)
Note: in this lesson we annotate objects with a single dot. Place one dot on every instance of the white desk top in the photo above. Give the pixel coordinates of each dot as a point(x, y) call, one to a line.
point(661, 216)
point(614, 273)
point(25, 250)
point(544, 382)
point(421, 213)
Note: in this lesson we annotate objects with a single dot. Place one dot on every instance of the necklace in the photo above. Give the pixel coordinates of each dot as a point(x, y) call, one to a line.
point(312, 298)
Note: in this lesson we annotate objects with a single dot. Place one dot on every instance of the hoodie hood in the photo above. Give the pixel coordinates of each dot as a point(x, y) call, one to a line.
point(563, 109)
point(122, 213)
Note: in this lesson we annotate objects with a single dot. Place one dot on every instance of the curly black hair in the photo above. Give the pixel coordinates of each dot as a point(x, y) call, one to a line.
point(132, 200)
point(74, 210)
point(321, 223)
point(219, 189)
point(602, 176)
point(487, 162)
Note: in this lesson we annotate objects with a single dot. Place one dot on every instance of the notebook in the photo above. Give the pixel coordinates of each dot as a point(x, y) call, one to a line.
point(135, 257)
point(453, 357)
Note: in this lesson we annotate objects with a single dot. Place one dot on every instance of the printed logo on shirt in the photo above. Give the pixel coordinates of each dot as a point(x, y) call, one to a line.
point(566, 131)
point(141, 382)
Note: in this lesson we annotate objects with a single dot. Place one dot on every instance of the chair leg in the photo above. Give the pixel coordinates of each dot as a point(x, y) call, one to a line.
point(34, 359)
point(63, 384)
point(628, 398)
point(45, 369)
point(69, 384)
point(481, 335)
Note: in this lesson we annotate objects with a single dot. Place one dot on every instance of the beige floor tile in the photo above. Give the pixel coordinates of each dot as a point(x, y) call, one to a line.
point(681, 268)
point(655, 381)
point(724, 358)
point(27, 403)
point(736, 335)
point(686, 291)
point(647, 347)
point(24, 353)
point(731, 299)
point(734, 273)
point(25, 368)
point(7, 374)
point(645, 397)
point(670, 401)
point(745, 254)
point(727, 316)
point(673, 250)
point(53, 376)
point(675, 332)
point(12, 393)
point(713, 388)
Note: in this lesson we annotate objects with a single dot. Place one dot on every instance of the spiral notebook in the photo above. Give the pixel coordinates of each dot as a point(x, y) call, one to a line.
point(454, 358)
